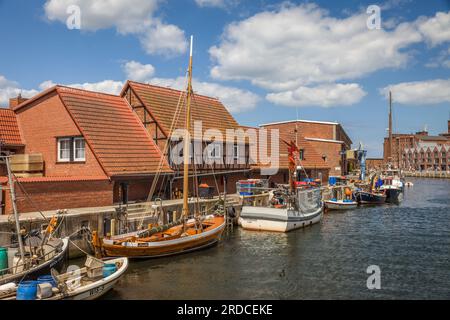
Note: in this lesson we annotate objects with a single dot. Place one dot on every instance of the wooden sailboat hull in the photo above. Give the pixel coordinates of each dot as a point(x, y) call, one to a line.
point(162, 248)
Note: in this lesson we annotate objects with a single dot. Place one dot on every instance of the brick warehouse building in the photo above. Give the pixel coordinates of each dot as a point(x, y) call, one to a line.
point(328, 139)
point(312, 165)
point(98, 149)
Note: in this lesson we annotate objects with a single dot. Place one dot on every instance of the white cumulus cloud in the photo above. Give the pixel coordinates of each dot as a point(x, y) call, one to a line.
point(11, 89)
point(326, 95)
point(164, 39)
point(420, 92)
point(137, 17)
point(436, 29)
point(301, 53)
point(137, 71)
point(293, 46)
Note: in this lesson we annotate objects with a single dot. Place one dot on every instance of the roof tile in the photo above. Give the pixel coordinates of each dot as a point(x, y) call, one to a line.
point(162, 103)
point(9, 128)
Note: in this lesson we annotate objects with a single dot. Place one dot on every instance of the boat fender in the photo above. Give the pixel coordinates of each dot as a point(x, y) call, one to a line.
point(44, 290)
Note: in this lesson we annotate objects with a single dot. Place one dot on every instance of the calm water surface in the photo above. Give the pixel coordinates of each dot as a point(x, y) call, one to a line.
point(410, 243)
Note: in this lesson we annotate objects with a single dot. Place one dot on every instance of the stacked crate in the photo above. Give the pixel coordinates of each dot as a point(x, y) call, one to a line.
point(27, 165)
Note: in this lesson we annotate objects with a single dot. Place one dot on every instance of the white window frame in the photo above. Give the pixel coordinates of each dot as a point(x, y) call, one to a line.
point(59, 149)
point(75, 149)
point(216, 151)
point(236, 152)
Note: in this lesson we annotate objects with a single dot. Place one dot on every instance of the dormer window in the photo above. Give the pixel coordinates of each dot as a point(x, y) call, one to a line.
point(71, 149)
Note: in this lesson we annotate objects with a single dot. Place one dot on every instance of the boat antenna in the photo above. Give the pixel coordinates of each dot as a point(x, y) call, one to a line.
point(390, 128)
point(187, 142)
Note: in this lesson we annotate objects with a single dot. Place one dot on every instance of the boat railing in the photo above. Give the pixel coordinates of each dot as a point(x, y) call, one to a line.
point(5, 273)
point(309, 200)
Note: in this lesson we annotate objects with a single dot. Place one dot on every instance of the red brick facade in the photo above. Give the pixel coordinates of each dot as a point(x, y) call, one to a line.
point(53, 195)
point(328, 139)
point(41, 123)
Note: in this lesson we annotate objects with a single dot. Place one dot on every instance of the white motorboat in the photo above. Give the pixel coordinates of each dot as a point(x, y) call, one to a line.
point(334, 204)
point(305, 210)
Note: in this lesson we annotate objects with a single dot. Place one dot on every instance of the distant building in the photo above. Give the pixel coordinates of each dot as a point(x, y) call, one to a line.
point(374, 163)
point(407, 151)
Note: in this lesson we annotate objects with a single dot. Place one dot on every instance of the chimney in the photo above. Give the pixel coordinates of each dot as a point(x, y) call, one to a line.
point(448, 122)
point(14, 102)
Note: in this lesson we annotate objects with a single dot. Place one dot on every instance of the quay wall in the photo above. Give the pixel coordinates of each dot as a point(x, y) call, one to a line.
point(424, 174)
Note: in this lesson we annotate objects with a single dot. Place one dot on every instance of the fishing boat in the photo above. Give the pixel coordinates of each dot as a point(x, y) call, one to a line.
point(190, 233)
point(344, 204)
point(87, 283)
point(341, 199)
point(290, 209)
point(53, 254)
point(365, 197)
point(393, 188)
point(35, 253)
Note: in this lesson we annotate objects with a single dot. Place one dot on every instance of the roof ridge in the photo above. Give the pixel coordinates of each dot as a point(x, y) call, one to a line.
point(65, 87)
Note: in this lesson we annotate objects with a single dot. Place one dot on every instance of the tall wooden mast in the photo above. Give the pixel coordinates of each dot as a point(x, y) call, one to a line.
point(187, 142)
point(14, 205)
point(390, 128)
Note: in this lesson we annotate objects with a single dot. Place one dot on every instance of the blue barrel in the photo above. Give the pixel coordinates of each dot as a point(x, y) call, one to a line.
point(109, 269)
point(332, 181)
point(47, 279)
point(27, 290)
point(3, 260)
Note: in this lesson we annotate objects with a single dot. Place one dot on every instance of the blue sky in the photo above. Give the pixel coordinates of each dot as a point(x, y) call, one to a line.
point(265, 60)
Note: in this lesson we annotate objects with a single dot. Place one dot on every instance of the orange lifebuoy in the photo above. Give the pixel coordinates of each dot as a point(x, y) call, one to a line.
point(348, 192)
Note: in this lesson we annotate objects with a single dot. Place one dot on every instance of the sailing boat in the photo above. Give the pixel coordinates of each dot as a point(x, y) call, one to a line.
point(182, 236)
point(393, 183)
point(36, 254)
point(302, 207)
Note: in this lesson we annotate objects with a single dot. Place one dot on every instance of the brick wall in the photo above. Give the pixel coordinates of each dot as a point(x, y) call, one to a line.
point(332, 151)
point(40, 124)
point(306, 129)
point(61, 195)
point(374, 163)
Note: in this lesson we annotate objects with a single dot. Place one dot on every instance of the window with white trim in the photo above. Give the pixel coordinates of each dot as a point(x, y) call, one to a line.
point(79, 149)
point(71, 149)
point(216, 151)
point(236, 152)
point(64, 149)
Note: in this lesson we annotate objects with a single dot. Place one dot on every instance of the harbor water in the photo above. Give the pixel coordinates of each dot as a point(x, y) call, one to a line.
point(410, 243)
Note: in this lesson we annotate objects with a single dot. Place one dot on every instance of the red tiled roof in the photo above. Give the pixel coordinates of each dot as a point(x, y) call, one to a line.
point(312, 160)
point(115, 134)
point(9, 129)
point(162, 103)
